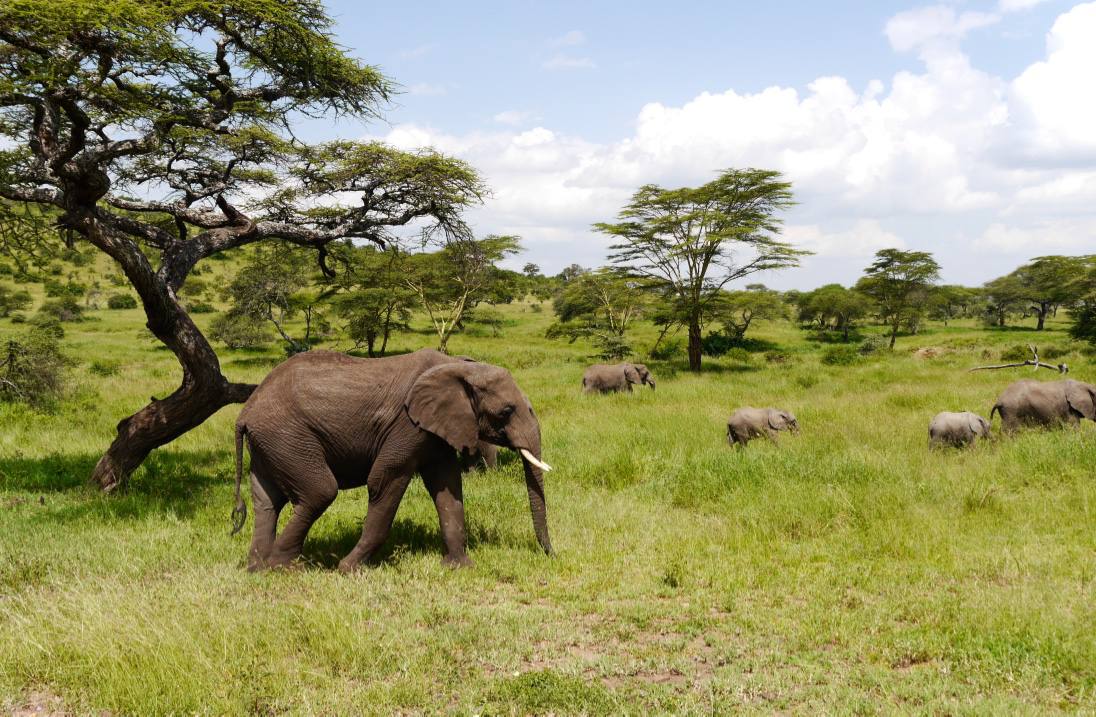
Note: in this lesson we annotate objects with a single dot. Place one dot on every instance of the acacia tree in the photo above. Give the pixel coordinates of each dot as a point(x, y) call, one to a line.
point(684, 241)
point(373, 298)
point(833, 306)
point(160, 133)
point(600, 305)
point(1047, 282)
point(899, 283)
point(451, 282)
point(737, 310)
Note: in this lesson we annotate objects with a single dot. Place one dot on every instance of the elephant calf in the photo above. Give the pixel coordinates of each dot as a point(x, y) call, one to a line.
point(1045, 403)
point(602, 378)
point(949, 428)
point(748, 423)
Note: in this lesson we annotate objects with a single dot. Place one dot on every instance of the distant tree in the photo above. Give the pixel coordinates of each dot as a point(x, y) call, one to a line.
point(600, 305)
point(950, 302)
point(237, 331)
point(161, 134)
point(571, 272)
point(833, 307)
point(375, 300)
point(684, 241)
point(274, 286)
point(454, 280)
point(737, 310)
point(1041, 285)
point(1083, 313)
point(899, 283)
point(531, 270)
point(1002, 296)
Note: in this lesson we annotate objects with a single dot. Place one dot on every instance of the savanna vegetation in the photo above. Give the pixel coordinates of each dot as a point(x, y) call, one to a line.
point(165, 241)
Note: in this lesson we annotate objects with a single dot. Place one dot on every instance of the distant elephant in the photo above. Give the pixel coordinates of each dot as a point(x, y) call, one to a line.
point(748, 423)
point(322, 422)
point(949, 428)
point(604, 378)
point(1045, 403)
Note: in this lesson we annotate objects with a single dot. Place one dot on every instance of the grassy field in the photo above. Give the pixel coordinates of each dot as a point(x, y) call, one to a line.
point(846, 570)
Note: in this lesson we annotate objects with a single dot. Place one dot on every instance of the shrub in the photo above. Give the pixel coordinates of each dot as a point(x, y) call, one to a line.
point(103, 368)
point(49, 326)
point(536, 308)
point(873, 345)
point(13, 300)
point(776, 357)
point(18, 318)
point(200, 307)
point(1021, 352)
point(1083, 327)
point(668, 349)
point(58, 290)
point(840, 356)
point(66, 308)
point(717, 343)
point(739, 354)
point(121, 301)
point(239, 332)
point(32, 369)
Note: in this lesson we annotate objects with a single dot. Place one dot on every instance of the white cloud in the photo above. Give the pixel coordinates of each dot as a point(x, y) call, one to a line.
point(569, 39)
point(425, 89)
point(922, 160)
point(1018, 5)
point(568, 62)
point(514, 117)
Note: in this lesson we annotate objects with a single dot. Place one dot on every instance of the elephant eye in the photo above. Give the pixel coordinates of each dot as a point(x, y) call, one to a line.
point(508, 410)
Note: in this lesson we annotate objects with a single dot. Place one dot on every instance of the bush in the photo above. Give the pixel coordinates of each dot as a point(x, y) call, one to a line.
point(717, 343)
point(32, 369)
point(200, 307)
point(738, 354)
point(668, 349)
point(777, 357)
point(66, 308)
point(841, 356)
point(18, 318)
point(58, 290)
point(121, 301)
point(103, 368)
point(239, 332)
point(13, 300)
point(873, 345)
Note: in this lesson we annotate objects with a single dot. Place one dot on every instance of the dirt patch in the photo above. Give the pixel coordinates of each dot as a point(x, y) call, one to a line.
point(40, 704)
point(930, 352)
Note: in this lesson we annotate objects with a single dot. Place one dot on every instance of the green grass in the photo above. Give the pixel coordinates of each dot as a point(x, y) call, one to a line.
point(848, 569)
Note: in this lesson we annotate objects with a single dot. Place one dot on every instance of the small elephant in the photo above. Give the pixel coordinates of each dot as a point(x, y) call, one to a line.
point(949, 428)
point(603, 378)
point(1045, 403)
point(748, 423)
point(322, 422)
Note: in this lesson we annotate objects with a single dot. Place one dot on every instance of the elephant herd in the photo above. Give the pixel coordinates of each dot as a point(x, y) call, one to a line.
point(1022, 403)
point(322, 422)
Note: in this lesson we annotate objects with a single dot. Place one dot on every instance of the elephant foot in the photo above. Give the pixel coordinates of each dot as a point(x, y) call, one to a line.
point(457, 561)
point(350, 567)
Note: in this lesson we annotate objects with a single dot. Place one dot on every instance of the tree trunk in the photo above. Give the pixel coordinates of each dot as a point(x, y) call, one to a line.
point(203, 391)
point(1044, 309)
point(894, 333)
point(694, 343)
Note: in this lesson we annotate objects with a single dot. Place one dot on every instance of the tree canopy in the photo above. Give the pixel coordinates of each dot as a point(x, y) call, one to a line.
point(689, 243)
point(161, 134)
point(899, 283)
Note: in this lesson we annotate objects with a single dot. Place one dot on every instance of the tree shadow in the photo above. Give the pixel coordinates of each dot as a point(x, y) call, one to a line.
point(169, 482)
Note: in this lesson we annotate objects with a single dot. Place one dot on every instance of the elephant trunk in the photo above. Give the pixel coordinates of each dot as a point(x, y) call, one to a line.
point(534, 482)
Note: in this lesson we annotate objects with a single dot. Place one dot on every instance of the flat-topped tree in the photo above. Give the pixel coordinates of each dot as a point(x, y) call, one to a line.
point(160, 133)
point(689, 243)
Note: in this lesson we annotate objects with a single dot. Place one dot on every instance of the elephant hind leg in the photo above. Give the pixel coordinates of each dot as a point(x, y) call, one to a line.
point(267, 501)
point(388, 481)
point(318, 489)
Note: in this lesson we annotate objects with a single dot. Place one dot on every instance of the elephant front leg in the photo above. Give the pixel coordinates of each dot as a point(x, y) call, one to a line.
point(443, 481)
point(386, 489)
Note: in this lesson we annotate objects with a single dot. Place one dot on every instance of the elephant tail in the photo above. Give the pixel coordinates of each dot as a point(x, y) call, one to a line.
point(239, 512)
point(996, 409)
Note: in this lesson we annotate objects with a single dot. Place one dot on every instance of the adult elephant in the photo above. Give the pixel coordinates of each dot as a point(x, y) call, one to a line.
point(1045, 403)
point(322, 422)
point(613, 378)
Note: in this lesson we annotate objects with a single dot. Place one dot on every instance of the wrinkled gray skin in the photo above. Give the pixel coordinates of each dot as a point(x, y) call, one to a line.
point(322, 422)
point(960, 429)
point(748, 423)
point(1045, 403)
point(603, 378)
point(484, 457)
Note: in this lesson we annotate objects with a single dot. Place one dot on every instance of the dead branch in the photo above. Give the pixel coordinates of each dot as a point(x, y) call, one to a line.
point(1035, 363)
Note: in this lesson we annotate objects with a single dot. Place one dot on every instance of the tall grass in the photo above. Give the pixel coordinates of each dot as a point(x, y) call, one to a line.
point(848, 569)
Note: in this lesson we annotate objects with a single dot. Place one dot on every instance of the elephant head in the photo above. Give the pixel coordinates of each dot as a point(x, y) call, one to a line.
point(978, 425)
point(638, 373)
point(466, 402)
point(1082, 398)
point(783, 420)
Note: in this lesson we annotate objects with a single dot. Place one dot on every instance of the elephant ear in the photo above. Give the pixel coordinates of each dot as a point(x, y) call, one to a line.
point(1081, 399)
point(977, 424)
point(440, 402)
point(630, 373)
point(777, 421)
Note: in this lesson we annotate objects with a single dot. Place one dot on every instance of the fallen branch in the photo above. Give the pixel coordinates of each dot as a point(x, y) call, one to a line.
point(1035, 363)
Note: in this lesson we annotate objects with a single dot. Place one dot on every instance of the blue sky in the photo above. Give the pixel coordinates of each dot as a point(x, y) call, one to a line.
point(958, 128)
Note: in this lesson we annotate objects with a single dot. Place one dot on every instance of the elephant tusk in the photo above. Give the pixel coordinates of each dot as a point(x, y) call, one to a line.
point(533, 459)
